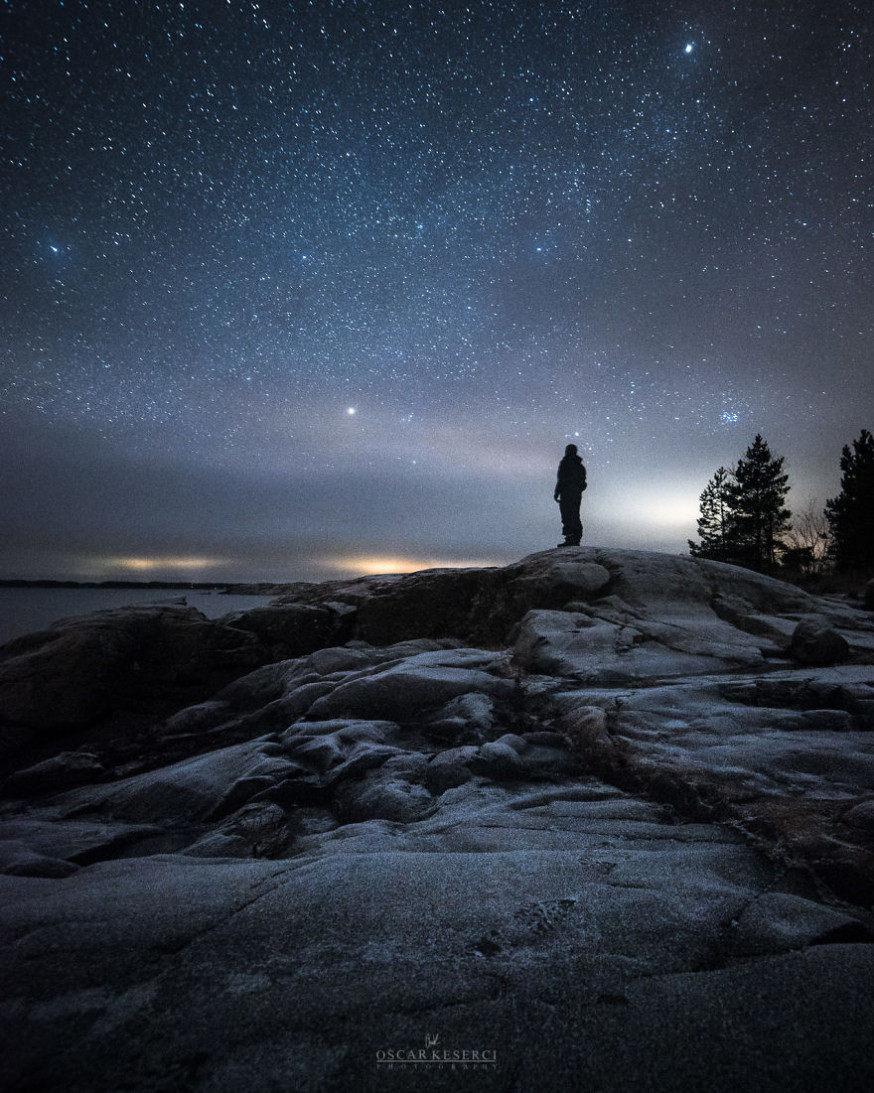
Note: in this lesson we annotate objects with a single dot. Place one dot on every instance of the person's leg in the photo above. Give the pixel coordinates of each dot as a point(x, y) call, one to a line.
point(571, 526)
point(577, 526)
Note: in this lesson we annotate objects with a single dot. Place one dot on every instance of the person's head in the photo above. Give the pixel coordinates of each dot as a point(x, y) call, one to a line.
point(571, 449)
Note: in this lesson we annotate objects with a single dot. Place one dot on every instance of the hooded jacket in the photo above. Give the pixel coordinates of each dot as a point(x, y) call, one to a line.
point(571, 479)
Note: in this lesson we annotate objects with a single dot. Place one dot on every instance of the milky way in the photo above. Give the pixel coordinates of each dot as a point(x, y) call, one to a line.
point(297, 288)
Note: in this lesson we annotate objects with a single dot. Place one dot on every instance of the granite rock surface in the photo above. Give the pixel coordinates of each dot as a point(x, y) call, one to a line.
point(599, 820)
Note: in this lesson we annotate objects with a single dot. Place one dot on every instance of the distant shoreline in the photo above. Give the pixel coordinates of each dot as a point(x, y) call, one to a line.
point(249, 588)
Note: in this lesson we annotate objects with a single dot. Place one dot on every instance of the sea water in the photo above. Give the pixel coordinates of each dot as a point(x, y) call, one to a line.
point(25, 610)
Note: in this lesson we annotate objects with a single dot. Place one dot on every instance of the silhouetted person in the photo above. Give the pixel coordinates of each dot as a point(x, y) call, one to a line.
point(569, 488)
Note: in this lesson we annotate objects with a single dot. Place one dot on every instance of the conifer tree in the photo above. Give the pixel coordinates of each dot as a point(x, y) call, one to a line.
point(714, 520)
point(756, 498)
point(742, 512)
point(851, 513)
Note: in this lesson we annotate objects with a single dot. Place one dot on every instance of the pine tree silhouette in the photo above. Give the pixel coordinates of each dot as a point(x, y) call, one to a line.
point(851, 513)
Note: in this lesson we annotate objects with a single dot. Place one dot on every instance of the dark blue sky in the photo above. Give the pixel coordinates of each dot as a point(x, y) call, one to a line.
point(487, 229)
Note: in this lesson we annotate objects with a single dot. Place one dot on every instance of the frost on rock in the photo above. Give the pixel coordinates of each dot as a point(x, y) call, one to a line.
point(579, 812)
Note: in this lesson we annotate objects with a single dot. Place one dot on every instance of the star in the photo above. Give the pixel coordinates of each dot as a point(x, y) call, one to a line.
point(482, 221)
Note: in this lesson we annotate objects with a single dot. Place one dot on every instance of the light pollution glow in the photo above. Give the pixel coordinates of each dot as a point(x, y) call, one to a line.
point(665, 510)
point(388, 564)
point(152, 565)
point(346, 566)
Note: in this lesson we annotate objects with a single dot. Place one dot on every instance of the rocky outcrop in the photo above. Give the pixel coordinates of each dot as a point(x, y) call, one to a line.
point(142, 661)
point(565, 817)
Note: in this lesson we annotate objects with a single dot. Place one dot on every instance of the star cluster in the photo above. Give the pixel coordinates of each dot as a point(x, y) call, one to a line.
point(414, 247)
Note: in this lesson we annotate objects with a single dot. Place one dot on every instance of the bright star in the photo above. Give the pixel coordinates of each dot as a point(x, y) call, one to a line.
point(351, 411)
point(689, 47)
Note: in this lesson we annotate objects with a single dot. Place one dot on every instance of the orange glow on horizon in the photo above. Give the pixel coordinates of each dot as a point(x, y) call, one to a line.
point(385, 564)
point(148, 565)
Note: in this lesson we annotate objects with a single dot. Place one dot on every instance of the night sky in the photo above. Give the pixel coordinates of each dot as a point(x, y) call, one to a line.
point(292, 290)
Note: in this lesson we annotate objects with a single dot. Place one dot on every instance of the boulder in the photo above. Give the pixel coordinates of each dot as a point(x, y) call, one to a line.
point(450, 768)
point(585, 578)
point(499, 759)
point(815, 642)
point(469, 717)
